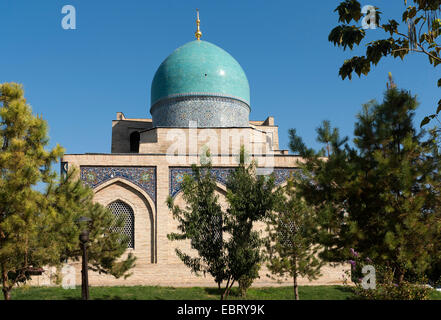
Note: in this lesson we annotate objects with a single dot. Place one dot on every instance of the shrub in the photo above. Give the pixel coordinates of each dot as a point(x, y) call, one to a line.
point(387, 287)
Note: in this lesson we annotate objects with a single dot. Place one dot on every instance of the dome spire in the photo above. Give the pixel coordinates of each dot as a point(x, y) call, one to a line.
point(198, 32)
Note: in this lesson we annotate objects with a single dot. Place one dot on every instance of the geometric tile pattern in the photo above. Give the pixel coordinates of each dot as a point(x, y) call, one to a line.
point(143, 177)
point(221, 175)
point(207, 112)
point(282, 174)
point(122, 210)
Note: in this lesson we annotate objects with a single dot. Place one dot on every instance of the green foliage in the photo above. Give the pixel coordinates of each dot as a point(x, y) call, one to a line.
point(386, 287)
point(251, 198)
point(26, 223)
point(418, 31)
point(228, 247)
point(106, 245)
point(388, 290)
point(173, 293)
point(245, 283)
point(202, 223)
point(292, 245)
point(381, 196)
point(39, 229)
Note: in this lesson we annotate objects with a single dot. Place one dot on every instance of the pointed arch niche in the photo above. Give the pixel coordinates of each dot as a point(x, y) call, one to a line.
point(139, 201)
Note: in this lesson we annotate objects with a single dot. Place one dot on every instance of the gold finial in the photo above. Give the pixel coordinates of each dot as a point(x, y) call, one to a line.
point(198, 32)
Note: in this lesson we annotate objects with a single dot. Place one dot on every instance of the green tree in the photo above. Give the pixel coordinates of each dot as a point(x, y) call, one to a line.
point(292, 245)
point(418, 31)
point(228, 247)
point(251, 197)
point(39, 229)
point(201, 222)
point(380, 197)
point(26, 241)
point(71, 198)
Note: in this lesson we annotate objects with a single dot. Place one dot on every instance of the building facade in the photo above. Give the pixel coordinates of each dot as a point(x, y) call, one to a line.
point(200, 99)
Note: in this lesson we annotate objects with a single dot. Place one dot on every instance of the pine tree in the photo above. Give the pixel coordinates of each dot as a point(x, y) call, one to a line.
point(39, 229)
point(380, 197)
point(25, 242)
point(292, 245)
point(72, 200)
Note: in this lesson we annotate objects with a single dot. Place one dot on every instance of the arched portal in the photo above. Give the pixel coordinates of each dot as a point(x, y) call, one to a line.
point(117, 191)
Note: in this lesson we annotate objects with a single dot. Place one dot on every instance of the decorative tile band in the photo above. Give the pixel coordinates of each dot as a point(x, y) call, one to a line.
point(221, 175)
point(143, 177)
point(207, 112)
point(207, 96)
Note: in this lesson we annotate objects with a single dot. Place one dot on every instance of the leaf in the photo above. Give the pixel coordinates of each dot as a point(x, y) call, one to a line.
point(435, 60)
point(439, 107)
point(409, 13)
point(359, 65)
point(425, 121)
point(349, 10)
point(377, 49)
point(391, 27)
point(412, 12)
point(346, 36)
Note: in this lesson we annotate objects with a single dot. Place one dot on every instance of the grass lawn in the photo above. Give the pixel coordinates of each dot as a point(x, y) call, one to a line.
point(196, 293)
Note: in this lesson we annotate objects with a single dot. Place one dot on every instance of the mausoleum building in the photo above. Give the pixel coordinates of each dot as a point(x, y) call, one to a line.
point(200, 99)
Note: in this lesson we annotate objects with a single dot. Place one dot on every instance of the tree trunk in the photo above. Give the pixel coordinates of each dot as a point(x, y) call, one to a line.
point(5, 288)
point(225, 291)
point(6, 294)
point(229, 289)
point(400, 276)
point(294, 273)
point(296, 288)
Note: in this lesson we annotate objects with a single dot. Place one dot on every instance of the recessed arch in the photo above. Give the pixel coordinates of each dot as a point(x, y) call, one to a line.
point(129, 184)
point(145, 234)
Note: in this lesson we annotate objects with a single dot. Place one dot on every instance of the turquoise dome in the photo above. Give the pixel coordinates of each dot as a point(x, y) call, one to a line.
point(200, 68)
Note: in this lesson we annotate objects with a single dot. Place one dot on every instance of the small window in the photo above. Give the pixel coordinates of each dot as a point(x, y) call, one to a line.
point(134, 142)
point(122, 209)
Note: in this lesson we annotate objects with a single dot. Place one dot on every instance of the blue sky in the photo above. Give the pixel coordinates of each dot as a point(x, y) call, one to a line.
point(78, 79)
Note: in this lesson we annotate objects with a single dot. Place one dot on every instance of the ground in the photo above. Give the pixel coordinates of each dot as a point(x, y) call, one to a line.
point(196, 293)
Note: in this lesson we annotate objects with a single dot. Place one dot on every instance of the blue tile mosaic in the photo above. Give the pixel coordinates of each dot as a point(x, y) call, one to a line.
point(282, 174)
point(143, 177)
point(205, 111)
point(221, 175)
